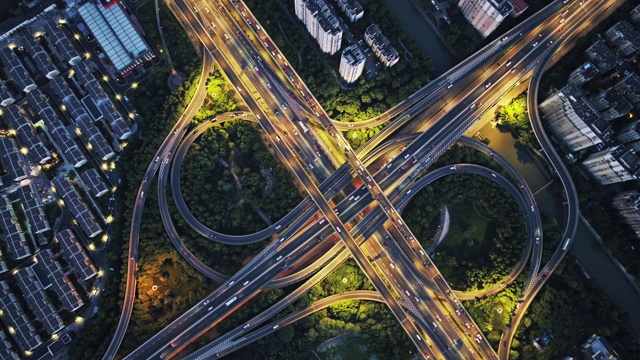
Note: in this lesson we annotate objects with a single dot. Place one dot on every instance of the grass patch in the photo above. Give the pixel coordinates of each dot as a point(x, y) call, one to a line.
point(469, 232)
point(346, 346)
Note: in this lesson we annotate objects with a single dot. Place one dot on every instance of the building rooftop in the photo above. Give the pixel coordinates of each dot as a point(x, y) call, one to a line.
point(60, 283)
point(504, 7)
point(25, 334)
point(602, 56)
point(32, 206)
point(68, 148)
point(38, 301)
point(76, 256)
point(353, 55)
point(6, 98)
point(597, 348)
point(6, 348)
point(16, 71)
point(78, 208)
point(381, 45)
point(14, 237)
point(519, 6)
point(115, 33)
point(27, 134)
point(92, 179)
point(12, 160)
point(39, 56)
point(61, 43)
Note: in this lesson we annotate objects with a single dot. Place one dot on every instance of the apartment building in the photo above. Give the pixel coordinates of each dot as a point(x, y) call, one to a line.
point(601, 56)
point(485, 15)
point(613, 165)
point(629, 87)
point(610, 104)
point(628, 205)
point(381, 46)
point(572, 119)
point(582, 74)
point(352, 9)
point(624, 38)
point(351, 63)
point(321, 24)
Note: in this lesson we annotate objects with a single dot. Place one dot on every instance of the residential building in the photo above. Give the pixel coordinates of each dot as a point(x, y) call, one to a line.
point(92, 180)
point(321, 24)
point(14, 317)
point(75, 255)
point(624, 37)
point(611, 105)
point(381, 46)
point(635, 14)
point(572, 119)
point(629, 133)
point(485, 15)
point(12, 160)
point(597, 348)
point(7, 351)
point(35, 149)
point(33, 209)
point(77, 207)
point(13, 234)
point(600, 55)
point(121, 42)
point(351, 63)
point(59, 42)
point(51, 275)
point(38, 301)
point(613, 165)
point(582, 74)
point(17, 73)
point(40, 57)
point(628, 205)
point(6, 98)
point(352, 9)
point(629, 87)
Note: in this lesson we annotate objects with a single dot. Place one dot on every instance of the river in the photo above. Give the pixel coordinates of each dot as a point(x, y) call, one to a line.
point(422, 33)
point(585, 247)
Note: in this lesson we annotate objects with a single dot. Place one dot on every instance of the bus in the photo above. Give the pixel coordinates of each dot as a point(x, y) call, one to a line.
point(231, 301)
point(303, 126)
point(566, 244)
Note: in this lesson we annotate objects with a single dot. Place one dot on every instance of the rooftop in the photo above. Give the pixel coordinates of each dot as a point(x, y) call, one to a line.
point(75, 255)
point(78, 208)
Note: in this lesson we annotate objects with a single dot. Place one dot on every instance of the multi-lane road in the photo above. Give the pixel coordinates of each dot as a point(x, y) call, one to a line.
point(352, 202)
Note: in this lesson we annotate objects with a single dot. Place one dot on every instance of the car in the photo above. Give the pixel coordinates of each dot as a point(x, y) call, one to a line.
point(456, 301)
point(246, 283)
point(492, 174)
point(417, 299)
point(537, 240)
point(472, 106)
point(278, 227)
point(438, 317)
point(232, 282)
point(435, 325)
point(508, 64)
point(478, 338)
point(486, 86)
point(467, 325)
point(533, 208)
point(246, 326)
point(549, 43)
point(449, 86)
point(407, 292)
point(392, 265)
point(560, 30)
point(535, 44)
point(407, 156)
point(322, 221)
point(458, 312)
point(206, 302)
point(540, 35)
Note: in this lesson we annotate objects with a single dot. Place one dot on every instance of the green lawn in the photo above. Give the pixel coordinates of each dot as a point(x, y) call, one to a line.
point(350, 347)
point(469, 231)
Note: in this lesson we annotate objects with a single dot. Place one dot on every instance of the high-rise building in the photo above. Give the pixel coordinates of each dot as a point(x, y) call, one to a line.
point(602, 56)
point(352, 9)
point(485, 15)
point(321, 24)
point(613, 165)
point(582, 74)
point(351, 63)
point(629, 87)
point(624, 37)
point(635, 14)
point(380, 45)
point(610, 104)
point(574, 120)
point(629, 133)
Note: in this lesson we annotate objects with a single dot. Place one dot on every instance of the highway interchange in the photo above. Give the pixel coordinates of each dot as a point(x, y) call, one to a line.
point(352, 207)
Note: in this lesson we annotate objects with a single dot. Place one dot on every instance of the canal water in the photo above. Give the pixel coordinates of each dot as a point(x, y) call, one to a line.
point(585, 247)
point(422, 33)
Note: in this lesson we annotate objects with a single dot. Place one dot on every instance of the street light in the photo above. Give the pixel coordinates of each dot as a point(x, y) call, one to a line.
point(134, 85)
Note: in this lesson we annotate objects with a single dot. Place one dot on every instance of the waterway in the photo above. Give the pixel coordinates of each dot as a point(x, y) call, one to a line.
point(422, 33)
point(585, 247)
